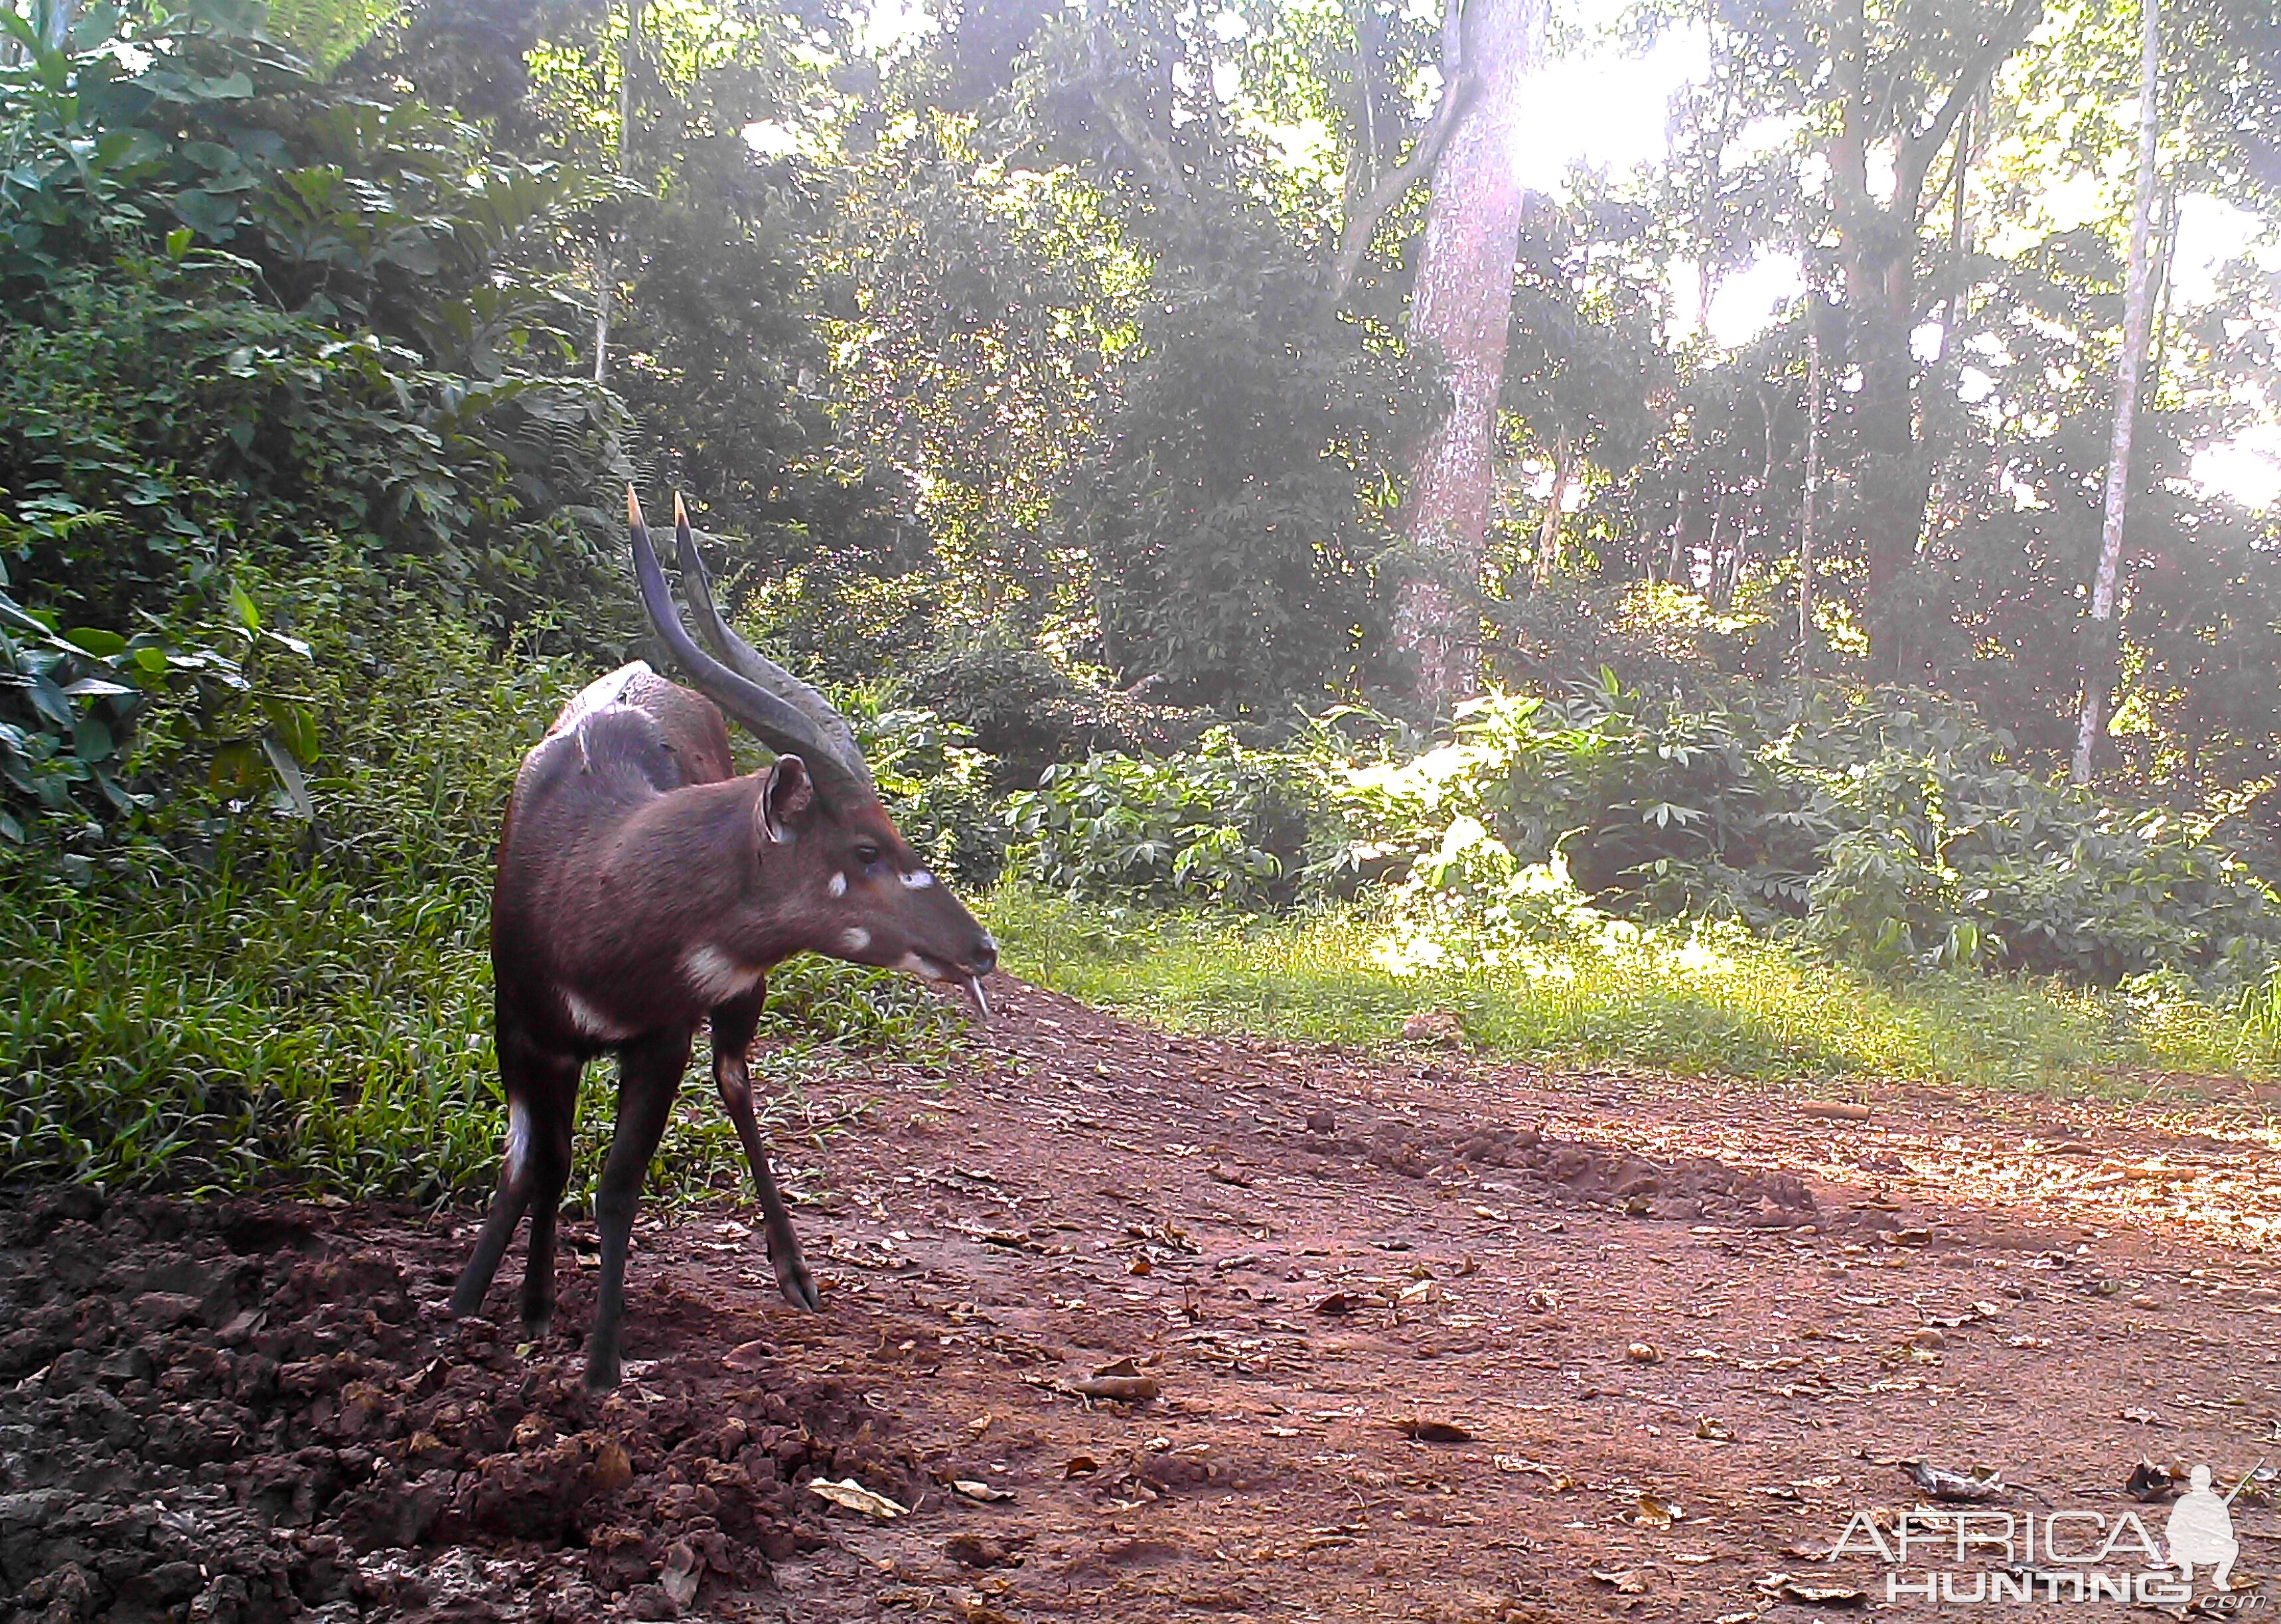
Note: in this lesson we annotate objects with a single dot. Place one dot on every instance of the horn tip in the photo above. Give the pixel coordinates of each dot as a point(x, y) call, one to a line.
point(680, 513)
point(633, 507)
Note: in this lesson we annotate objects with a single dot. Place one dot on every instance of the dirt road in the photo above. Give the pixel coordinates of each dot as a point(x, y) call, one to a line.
point(1428, 1338)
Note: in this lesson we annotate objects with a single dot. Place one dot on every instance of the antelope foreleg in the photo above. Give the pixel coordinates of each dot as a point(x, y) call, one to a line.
point(734, 1025)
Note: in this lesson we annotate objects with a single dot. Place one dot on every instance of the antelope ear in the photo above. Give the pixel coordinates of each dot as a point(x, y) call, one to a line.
point(785, 793)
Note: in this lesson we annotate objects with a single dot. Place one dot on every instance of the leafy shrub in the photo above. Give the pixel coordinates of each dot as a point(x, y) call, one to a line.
point(1220, 823)
point(248, 316)
point(1032, 714)
point(1887, 832)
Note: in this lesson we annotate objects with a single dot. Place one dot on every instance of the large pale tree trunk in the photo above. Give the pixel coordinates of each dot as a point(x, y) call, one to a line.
point(1459, 308)
point(2099, 637)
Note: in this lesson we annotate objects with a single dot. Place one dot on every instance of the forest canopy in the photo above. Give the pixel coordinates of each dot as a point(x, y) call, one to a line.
point(1065, 372)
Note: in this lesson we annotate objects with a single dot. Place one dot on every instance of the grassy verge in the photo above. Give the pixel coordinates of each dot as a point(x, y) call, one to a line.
point(1732, 1007)
point(289, 1033)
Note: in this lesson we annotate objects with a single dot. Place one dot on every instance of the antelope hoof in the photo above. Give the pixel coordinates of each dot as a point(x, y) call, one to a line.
point(601, 1374)
point(792, 1277)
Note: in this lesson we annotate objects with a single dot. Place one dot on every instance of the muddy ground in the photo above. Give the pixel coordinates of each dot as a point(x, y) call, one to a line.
point(1428, 1337)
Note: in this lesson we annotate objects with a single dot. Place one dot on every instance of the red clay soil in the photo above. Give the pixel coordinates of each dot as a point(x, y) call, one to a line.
point(1427, 1337)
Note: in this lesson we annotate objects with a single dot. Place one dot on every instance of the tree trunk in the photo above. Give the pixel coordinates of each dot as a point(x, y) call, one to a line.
point(1548, 531)
point(1459, 308)
point(2101, 641)
point(1877, 244)
point(55, 26)
point(1813, 484)
point(605, 261)
point(605, 298)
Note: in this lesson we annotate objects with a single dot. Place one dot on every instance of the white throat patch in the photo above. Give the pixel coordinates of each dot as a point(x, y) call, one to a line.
point(714, 976)
point(591, 1022)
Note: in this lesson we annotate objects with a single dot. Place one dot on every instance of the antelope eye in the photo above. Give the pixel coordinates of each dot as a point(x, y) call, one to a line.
point(868, 853)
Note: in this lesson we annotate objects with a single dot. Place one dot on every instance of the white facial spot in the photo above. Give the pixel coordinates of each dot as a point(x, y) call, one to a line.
point(917, 880)
point(855, 938)
point(839, 886)
point(518, 1137)
point(590, 1021)
point(919, 965)
point(714, 976)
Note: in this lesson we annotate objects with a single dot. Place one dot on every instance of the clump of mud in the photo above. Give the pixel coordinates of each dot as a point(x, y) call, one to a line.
point(231, 1414)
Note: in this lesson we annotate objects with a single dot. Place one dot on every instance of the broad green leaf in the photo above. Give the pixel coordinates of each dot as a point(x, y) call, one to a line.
point(91, 740)
point(95, 640)
point(289, 776)
point(294, 726)
point(51, 702)
point(209, 211)
point(97, 688)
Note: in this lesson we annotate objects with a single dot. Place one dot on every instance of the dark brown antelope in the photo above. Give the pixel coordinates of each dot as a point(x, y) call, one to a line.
point(644, 888)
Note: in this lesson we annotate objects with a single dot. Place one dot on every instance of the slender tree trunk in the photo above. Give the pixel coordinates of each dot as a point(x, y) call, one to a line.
point(606, 269)
point(2100, 639)
point(1813, 485)
point(1459, 308)
point(56, 28)
point(1548, 530)
point(605, 298)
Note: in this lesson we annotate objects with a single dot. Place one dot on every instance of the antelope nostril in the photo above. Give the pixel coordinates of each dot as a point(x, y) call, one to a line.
point(983, 958)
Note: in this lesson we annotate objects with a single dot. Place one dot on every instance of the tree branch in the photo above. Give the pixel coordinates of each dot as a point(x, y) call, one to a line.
point(1159, 167)
point(1914, 162)
point(1362, 225)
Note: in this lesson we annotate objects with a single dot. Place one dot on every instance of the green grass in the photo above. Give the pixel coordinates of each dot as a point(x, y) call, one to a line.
point(1723, 1005)
point(286, 1032)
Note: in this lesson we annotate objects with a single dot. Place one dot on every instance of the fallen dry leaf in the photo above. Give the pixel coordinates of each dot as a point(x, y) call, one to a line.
point(1432, 1431)
point(1652, 1511)
point(971, 1489)
point(679, 1575)
point(1123, 1389)
point(1630, 1581)
point(847, 1493)
point(1982, 1483)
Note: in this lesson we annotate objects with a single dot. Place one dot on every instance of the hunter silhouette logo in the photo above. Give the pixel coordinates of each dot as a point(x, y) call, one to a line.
point(2201, 1529)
